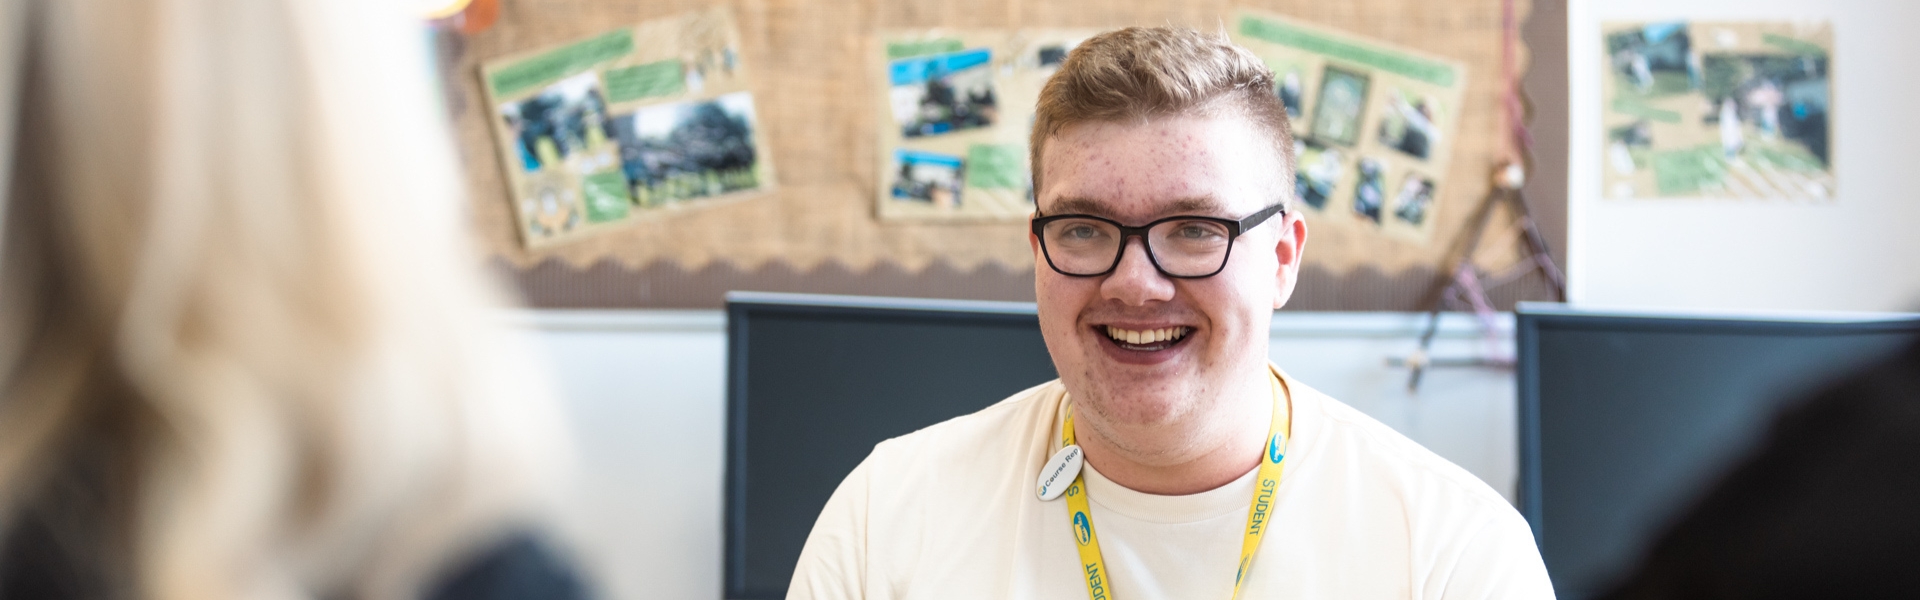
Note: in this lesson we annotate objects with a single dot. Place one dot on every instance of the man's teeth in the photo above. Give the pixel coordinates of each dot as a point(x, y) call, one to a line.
point(1150, 336)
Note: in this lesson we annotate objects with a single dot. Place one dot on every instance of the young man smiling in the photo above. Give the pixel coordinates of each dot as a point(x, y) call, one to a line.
point(1170, 460)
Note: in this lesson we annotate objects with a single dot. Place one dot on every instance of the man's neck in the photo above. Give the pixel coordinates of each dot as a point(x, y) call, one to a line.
point(1189, 456)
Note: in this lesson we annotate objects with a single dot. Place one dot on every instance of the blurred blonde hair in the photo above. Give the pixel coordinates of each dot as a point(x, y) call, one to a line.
point(237, 300)
point(1137, 73)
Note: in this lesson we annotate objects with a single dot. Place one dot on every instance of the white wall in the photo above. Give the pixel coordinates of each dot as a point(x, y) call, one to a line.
point(645, 391)
point(1857, 252)
point(645, 394)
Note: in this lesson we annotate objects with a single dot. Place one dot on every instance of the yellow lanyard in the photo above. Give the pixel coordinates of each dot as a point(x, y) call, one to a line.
point(1258, 515)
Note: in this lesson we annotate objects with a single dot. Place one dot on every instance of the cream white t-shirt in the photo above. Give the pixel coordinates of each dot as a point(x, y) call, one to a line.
point(1362, 512)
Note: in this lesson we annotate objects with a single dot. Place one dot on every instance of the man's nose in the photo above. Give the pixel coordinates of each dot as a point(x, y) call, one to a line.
point(1135, 281)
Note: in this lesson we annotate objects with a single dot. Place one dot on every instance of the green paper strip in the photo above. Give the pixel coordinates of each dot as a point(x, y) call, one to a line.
point(607, 198)
point(663, 78)
point(1412, 67)
point(561, 62)
point(899, 50)
point(1631, 106)
point(996, 167)
point(1792, 45)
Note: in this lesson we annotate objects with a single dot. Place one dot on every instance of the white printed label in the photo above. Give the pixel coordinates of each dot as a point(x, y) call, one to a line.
point(1060, 472)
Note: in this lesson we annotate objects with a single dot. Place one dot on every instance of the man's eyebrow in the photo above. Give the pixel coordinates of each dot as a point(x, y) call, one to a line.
point(1078, 206)
point(1198, 205)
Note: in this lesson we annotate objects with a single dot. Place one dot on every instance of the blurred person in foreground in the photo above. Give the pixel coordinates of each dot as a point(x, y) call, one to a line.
point(1828, 506)
point(243, 338)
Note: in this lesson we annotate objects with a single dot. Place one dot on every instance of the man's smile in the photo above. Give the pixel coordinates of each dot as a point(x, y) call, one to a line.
point(1145, 340)
point(1143, 343)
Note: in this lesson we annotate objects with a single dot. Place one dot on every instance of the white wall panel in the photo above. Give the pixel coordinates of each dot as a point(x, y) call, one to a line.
point(1857, 252)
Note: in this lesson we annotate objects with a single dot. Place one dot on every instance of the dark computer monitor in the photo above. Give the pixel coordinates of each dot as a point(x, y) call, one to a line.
point(813, 382)
point(1626, 418)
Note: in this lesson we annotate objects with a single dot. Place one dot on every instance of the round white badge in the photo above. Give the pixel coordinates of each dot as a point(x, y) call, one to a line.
point(1060, 472)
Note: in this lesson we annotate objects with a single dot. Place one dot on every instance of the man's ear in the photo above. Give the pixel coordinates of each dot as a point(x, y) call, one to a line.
point(1292, 246)
point(1034, 240)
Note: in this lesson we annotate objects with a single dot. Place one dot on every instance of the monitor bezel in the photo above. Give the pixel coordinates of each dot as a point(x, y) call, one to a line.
point(1531, 317)
point(741, 307)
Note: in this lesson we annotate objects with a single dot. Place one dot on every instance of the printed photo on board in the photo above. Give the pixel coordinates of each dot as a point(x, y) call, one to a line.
point(1415, 197)
point(559, 123)
point(1039, 57)
point(1318, 173)
point(1717, 110)
point(1624, 141)
point(1052, 55)
point(699, 65)
point(1656, 60)
point(1042, 57)
point(674, 152)
point(942, 93)
point(1291, 92)
point(553, 208)
point(1778, 98)
point(1342, 102)
point(928, 177)
point(1369, 190)
point(1408, 125)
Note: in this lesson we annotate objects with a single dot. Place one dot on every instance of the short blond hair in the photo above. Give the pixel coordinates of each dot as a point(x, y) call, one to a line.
point(1142, 72)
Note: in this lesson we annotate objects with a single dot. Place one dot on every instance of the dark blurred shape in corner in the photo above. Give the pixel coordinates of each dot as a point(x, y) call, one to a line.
point(1827, 507)
point(246, 348)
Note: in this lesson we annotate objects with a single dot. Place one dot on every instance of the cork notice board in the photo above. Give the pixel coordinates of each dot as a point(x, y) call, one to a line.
point(815, 106)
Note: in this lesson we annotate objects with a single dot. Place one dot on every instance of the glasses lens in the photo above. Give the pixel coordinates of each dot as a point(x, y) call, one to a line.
point(1189, 248)
point(1081, 246)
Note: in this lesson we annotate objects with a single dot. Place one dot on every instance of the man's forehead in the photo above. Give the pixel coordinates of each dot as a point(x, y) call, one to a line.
point(1207, 164)
point(1197, 205)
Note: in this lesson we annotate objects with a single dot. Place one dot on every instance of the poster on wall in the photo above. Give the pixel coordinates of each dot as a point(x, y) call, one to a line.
point(1373, 123)
point(1705, 109)
point(633, 123)
point(956, 108)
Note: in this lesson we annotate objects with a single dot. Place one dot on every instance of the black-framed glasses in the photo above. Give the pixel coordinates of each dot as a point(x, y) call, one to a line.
point(1182, 247)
